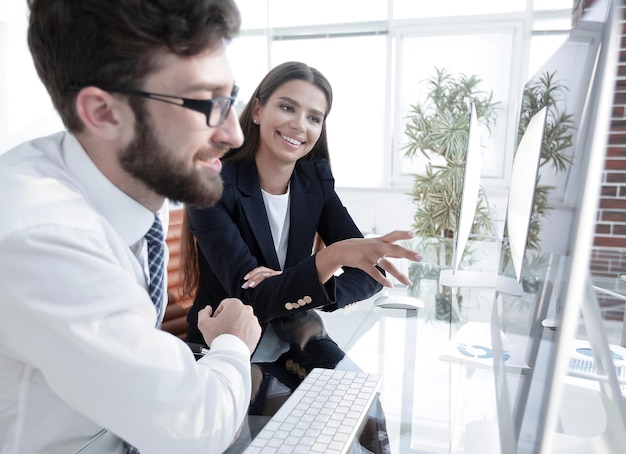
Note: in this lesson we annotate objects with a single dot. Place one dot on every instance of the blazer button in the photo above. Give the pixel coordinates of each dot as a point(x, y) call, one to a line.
point(289, 306)
point(307, 299)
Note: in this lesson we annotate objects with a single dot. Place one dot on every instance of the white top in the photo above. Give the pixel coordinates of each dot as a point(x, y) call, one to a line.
point(277, 209)
point(78, 347)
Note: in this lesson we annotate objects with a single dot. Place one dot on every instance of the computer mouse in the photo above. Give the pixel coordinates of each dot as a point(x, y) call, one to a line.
point(399, 302)
point(550, 323)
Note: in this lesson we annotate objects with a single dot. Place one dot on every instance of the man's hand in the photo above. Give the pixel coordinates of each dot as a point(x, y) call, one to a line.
point(231, 317)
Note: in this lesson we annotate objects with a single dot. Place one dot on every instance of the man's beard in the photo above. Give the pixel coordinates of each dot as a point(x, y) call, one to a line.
point(157, 167)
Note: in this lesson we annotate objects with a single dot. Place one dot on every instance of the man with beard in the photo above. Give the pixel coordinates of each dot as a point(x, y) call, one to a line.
point(145, 91)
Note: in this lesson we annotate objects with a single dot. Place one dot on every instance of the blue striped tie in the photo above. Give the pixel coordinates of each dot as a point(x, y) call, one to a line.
point(156, 261)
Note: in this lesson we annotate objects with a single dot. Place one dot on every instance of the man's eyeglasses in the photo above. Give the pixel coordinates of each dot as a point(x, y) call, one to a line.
point(216, 110)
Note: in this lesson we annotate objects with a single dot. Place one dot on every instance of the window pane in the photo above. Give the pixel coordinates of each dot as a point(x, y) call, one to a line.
point(253, 14)
point(553, 24)
point(248, 58)
point(356, 69)
point(485, 55)
point(541, 49)
point(14, 12)
point(544, 5)
point(26, 110)
point(284, 13)
point(412, 9)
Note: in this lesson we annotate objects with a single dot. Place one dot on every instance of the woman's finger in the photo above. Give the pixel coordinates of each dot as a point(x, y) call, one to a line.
point(258, 277)
point(258, 269)
point(392, 269)
point(377, 275)
point(397, 235)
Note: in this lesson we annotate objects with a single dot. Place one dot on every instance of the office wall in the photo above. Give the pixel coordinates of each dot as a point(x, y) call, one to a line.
point(377, 210)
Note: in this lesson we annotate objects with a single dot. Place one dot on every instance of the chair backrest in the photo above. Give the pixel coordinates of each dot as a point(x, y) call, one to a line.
point(175, 320)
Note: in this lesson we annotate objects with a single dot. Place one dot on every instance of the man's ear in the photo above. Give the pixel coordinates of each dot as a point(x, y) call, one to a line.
point(101, 113)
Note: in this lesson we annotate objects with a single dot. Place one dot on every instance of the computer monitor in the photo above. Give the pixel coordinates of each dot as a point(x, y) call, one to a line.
point(523, 189)
point(471, 189)
point(555, 276)
point(456, 277)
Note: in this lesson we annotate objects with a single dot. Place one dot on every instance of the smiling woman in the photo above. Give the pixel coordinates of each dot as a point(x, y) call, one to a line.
point(278, 196)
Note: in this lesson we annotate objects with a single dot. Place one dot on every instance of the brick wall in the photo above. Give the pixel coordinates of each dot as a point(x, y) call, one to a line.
point(608, 259)
point(611, 226)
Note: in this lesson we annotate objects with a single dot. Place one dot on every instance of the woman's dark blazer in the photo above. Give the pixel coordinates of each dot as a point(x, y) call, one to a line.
point(234, 237)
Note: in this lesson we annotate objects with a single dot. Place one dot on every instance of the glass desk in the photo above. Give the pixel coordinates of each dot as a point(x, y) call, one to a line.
point(427, 400)
point(443, 388)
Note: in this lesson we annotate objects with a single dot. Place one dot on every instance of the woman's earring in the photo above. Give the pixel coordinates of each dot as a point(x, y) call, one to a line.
point(255, 121)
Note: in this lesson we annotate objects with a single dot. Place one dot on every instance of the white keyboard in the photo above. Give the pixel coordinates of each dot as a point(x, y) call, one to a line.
point(582, 363)
point(324, 414)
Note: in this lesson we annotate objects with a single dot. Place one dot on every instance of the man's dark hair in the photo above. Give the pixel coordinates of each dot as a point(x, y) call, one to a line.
point(77, 43)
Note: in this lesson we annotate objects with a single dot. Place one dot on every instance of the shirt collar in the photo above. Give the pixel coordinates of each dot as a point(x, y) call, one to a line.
point(127, 216)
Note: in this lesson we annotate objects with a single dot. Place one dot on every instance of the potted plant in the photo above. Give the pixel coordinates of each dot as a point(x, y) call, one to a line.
point(437, 129)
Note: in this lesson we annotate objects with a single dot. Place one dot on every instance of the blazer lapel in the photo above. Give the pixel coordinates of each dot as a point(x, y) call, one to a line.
point(254, 210)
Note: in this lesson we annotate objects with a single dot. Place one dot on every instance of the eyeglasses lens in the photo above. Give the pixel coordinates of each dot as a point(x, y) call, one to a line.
point(219, 112)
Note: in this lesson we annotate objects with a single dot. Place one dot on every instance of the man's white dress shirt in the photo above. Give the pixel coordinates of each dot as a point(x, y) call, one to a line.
point(79, 350)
